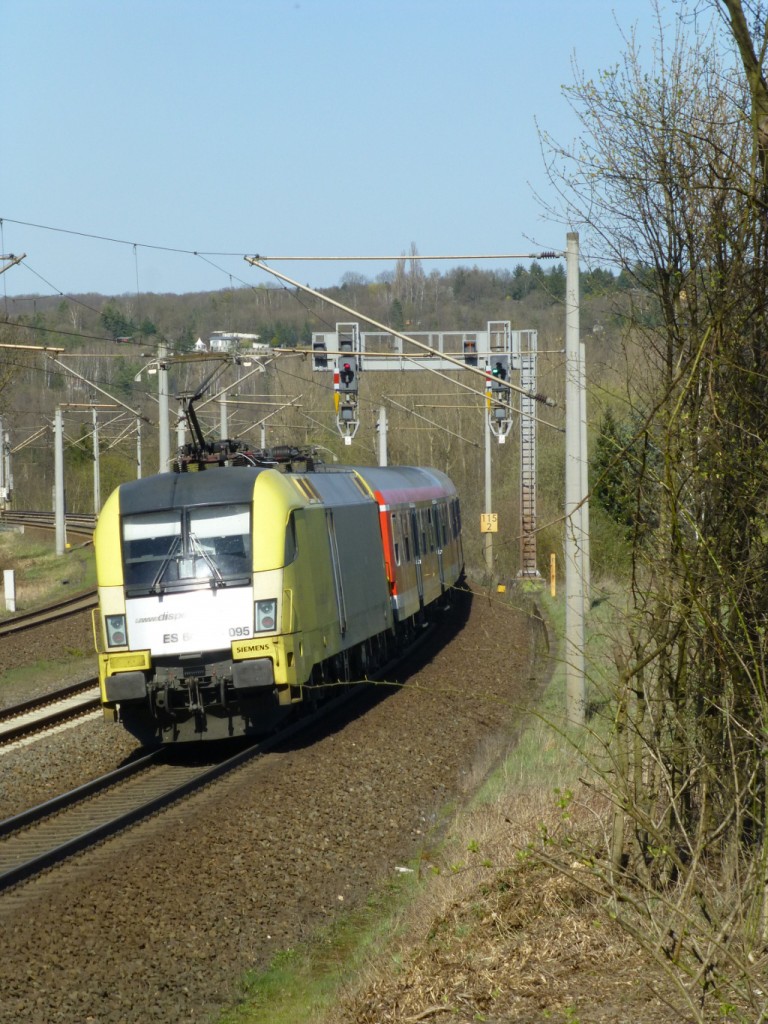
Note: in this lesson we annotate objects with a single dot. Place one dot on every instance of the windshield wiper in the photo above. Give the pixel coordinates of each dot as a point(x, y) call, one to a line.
point(216, 578)
point(155, 589)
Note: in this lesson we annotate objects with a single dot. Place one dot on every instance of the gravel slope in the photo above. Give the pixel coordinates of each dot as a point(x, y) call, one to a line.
point(159, 924)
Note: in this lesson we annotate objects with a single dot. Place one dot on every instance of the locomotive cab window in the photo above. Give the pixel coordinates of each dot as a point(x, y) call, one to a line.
point(181, 548)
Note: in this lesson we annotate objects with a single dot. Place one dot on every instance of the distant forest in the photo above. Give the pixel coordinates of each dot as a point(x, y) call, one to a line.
point(464, 298)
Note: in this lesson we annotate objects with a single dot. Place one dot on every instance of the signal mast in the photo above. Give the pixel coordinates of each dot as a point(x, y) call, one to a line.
point(346, 380)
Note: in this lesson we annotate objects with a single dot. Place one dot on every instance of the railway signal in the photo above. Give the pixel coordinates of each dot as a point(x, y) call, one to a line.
point(500, 373)
point(348, 374)
point(470, 351)
point(346, 380)
point(498, 394)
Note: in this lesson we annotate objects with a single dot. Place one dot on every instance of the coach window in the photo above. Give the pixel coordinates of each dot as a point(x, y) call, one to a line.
point(396, 537)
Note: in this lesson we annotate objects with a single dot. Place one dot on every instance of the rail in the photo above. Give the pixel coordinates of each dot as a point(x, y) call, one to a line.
point(42, 713)
point(75, 523)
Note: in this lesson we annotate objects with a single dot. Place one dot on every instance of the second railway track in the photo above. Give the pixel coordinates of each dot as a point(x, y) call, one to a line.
point(40, 714)
point(39, 838)
point(61, 609)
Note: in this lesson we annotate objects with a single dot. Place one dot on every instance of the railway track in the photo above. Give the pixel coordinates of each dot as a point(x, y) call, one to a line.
point(79, 525)
point(38, 617)
point(44, 836)
point(47, 835)
point(39, 715)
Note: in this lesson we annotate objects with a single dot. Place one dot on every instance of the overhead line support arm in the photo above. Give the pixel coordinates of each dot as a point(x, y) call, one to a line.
point(255, 262)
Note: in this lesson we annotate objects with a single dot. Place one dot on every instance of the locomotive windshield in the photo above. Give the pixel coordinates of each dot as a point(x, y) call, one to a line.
point(183, 548)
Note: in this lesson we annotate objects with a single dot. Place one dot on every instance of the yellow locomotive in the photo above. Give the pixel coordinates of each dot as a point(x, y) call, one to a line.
point(228, 596)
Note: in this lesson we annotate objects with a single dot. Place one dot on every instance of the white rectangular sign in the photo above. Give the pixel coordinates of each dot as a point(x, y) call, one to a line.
point(207, 620)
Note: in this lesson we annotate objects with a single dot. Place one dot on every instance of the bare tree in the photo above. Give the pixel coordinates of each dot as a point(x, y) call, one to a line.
point(417, 280)
point(752, 44)
point(667, 180)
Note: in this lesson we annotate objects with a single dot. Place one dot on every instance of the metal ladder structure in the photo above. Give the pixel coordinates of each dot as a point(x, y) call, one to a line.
point(528, 348)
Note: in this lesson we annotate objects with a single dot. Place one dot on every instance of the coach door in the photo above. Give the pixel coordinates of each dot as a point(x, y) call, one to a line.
point(338, 583)
point(439, 527)
point(417, 553)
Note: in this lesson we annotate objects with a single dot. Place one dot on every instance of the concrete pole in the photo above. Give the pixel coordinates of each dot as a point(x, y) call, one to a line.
point(58, 482)
point(164, 439)
point(6, 443)
point(586, 571)
point(3, 482)
point(263, 436)
point(574, 540)
point(224, 430)
point(138, 448)
point(488, 537)
point(382, 435)
point(96, 466)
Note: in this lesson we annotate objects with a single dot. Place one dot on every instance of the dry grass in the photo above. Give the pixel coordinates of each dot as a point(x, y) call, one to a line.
point(501, 935)
point(40, 575)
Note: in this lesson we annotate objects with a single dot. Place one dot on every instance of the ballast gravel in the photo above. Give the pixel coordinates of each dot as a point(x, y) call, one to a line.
point(160, 924)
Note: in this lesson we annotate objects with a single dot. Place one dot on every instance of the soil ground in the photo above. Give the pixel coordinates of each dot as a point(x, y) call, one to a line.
point(161, 924)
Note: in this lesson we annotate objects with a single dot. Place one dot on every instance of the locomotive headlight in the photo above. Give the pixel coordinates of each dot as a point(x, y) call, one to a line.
point(116, 633)
point(266, 615)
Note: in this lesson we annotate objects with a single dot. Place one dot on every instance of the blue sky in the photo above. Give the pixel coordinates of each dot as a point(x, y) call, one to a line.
point(280, 127)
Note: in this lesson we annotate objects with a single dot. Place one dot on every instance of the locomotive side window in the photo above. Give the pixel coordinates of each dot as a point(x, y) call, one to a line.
point(290, 540)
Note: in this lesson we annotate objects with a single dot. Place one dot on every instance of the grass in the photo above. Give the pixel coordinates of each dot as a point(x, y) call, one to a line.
point(42, 576)
point(52, 672)
point(303, 983)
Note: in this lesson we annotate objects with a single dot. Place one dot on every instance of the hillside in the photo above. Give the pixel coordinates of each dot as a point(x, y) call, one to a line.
point(432, 420)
